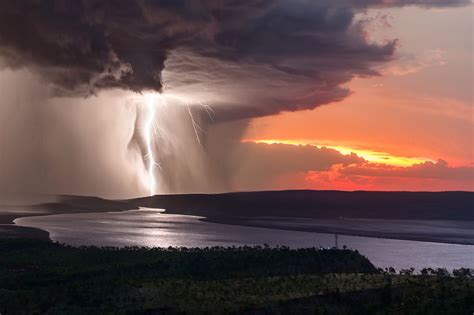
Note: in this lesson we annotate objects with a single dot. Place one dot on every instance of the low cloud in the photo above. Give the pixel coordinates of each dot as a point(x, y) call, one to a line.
point(259, 165)
point(286, 166)
point(432, 170)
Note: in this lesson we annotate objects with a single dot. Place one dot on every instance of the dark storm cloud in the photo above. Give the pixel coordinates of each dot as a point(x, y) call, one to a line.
point(292, 55)
point(83, 46)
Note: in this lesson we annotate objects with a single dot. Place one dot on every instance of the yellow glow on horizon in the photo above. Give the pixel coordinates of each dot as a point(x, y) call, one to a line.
point(368, 155)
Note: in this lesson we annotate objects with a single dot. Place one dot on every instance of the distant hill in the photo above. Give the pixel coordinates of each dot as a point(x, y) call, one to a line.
point(320, 204)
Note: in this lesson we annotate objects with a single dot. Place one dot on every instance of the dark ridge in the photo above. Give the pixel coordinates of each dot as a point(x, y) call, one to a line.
point(320, 204)
point(72, 204)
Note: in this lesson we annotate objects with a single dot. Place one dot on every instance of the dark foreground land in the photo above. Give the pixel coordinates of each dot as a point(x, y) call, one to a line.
point(46, 278)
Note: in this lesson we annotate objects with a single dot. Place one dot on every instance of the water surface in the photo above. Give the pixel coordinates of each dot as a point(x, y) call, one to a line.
point(151, 227)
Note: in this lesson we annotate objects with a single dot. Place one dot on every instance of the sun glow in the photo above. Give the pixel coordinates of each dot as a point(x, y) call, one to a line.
point(368, 155)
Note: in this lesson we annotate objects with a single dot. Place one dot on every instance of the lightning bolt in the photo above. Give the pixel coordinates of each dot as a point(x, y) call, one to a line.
point(149, 131)
point(196, 127)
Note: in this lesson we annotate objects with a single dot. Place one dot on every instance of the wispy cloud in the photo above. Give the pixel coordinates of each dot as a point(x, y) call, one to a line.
point(408, 64)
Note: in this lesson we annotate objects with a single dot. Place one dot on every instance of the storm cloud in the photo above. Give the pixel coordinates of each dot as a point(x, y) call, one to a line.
point(310, 48)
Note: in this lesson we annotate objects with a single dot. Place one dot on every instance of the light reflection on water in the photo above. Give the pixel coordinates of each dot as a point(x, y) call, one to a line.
point(150, 227)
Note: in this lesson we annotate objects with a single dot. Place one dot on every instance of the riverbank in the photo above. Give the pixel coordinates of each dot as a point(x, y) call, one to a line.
point(11, 231)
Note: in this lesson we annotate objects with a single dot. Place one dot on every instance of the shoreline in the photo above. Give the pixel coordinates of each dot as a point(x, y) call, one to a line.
point(9, 230)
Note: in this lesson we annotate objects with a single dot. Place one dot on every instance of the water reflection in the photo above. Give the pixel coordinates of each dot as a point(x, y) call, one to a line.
point(151, 227)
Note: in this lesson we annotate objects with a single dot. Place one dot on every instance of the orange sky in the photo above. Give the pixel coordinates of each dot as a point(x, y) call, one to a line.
point(419, 110)
point(376, 118)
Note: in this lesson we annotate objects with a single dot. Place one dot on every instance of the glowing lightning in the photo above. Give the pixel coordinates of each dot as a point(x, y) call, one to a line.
point(149, 130)
point(195, 126)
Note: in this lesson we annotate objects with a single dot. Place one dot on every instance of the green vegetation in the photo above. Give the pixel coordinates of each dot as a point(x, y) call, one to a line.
point(42, 277)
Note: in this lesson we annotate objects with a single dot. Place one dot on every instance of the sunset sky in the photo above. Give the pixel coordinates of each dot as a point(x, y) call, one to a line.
point(412, 125)
point(153, 97)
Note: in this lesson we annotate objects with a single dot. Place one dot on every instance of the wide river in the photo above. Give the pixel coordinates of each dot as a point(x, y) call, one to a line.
point(151, 227)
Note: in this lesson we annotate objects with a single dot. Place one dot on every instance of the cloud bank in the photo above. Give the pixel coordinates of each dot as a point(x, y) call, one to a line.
point(284, 166)
point(265, 56)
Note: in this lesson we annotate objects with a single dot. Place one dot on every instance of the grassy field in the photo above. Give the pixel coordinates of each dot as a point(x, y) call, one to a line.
point(42, 277)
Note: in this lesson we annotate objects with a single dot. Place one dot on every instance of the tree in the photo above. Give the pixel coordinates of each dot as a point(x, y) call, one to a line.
point(442, 272)
point(463, 273)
